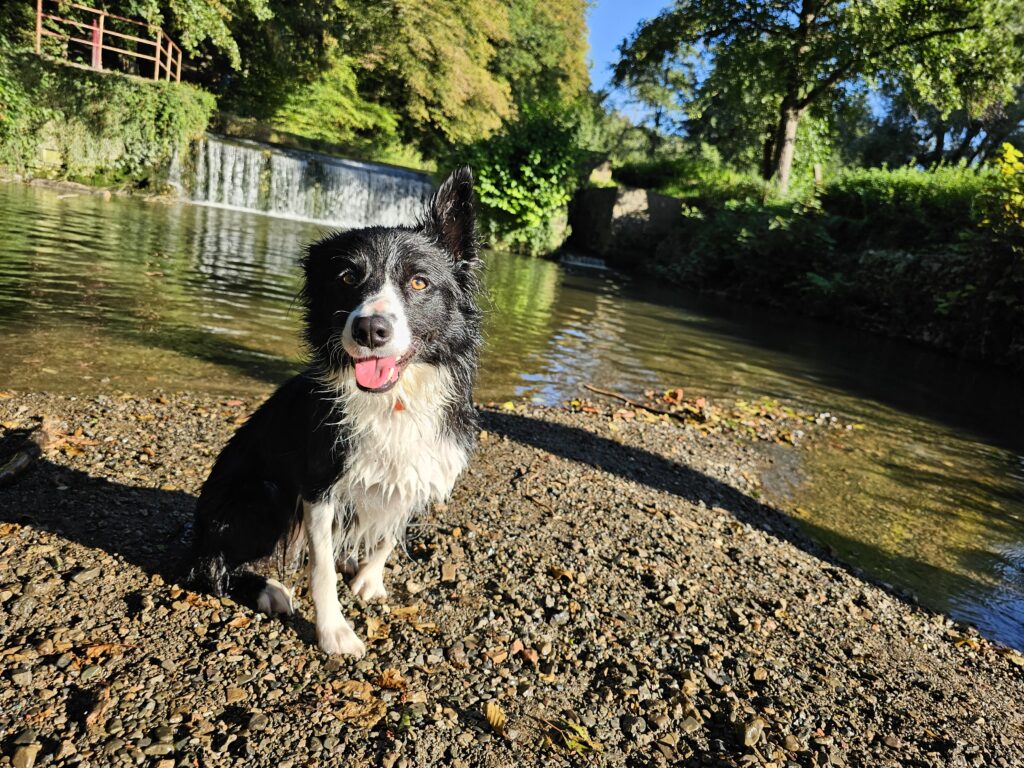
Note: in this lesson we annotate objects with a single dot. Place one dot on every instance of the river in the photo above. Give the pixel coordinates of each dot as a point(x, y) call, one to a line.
point(129, 294)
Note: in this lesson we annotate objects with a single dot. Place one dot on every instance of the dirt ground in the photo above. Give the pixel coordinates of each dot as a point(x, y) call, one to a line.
point(598, 590)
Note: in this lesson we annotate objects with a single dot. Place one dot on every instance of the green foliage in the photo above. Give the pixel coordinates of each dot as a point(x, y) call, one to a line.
point(698, 176)
point(94, 127)
point(769, 66)
point(330, 108)
point(901, 252)
point(1003, 205)
point(197, 24)
point(905, 207)
point(525, 177)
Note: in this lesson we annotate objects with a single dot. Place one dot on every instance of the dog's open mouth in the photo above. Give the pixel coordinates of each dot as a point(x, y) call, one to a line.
point(379, 374)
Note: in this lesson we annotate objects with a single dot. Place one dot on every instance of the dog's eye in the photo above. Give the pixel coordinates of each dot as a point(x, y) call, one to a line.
point(348, 277)
point(418, 283)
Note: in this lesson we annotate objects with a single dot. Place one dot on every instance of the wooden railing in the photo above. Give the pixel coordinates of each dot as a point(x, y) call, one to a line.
point(98, 31)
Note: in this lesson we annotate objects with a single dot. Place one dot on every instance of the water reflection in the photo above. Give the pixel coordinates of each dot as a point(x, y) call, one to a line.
point(133, 295)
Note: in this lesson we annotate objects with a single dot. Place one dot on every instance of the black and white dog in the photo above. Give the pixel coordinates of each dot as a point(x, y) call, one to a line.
point(339, 458)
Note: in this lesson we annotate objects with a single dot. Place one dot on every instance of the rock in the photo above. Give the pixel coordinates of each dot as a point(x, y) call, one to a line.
point(752, 731)
point(22, 677)
point(88, 673)
point(25, 755)
point(234, 695)
point(85, 575)
point(690, 725)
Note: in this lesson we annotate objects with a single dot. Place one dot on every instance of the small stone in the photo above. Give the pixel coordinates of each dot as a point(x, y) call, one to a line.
point(792, 744)
point(457, 656)
point(690, 725)
point(90, 672)
point(154, 750)
point(234, 694)
point(27, 736)
point(892, 741)
point(22, 677)
point(258, 722)
point(85, 575)
point(25, 755)
point(752, 731)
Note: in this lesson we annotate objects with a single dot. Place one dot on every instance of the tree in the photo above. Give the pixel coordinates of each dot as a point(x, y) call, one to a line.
point(197, 23)
point(800, 52)
point(661, 87)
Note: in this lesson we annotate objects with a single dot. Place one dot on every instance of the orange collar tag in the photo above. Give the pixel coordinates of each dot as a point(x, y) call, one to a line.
point(399, 406)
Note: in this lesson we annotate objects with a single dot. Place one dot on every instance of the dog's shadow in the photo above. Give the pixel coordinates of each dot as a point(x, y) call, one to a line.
point(151, 528)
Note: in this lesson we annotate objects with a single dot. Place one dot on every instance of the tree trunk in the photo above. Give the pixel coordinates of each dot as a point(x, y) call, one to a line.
point(768, 158)
point(785, 144)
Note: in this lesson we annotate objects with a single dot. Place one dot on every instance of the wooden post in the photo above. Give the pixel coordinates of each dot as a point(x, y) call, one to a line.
point(159, 48)
point(39, 26)
point(97, 43)
point(178, 79)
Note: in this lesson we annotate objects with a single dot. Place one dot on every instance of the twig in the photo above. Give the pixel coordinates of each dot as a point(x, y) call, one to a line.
point(635, 403)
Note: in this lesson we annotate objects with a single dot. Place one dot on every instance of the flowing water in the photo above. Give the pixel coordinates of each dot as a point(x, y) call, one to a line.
point(135, 295)
point(246, 175)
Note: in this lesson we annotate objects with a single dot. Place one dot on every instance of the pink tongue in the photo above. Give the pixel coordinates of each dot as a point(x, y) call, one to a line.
point(375, 372)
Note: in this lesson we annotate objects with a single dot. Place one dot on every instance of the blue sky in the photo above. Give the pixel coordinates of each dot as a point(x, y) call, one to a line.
point(610, 21)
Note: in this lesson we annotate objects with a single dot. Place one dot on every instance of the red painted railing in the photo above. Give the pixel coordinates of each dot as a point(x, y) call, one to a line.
point(94, 29)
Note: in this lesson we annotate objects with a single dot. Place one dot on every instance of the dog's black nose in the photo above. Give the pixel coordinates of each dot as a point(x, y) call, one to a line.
point(372, 331)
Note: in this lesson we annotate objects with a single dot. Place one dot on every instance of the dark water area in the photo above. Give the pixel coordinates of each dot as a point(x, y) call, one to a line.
point(134, 295)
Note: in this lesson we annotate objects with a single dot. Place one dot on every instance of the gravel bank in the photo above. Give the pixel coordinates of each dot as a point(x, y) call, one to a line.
point(610, 584)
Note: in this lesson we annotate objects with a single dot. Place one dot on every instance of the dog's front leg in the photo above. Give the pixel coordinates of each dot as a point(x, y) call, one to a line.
point(333, 633)
point(368, 582)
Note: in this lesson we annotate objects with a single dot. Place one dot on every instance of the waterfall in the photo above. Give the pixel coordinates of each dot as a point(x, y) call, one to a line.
point(247, 175)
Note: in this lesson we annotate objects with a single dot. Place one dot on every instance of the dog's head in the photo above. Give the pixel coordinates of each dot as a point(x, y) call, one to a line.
point(381, 298)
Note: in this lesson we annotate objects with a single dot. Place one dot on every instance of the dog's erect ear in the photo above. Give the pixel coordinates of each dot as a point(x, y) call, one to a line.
point(452, 218)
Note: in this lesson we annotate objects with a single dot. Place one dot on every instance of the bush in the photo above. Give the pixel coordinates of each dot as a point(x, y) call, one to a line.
point(1003, 205)
point(525, 176)
point(101, 128)
point(697, 175)
point(906, 207)
point(902, 252)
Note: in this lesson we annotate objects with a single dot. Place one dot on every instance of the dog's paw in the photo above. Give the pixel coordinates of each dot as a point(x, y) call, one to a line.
point(275, 598)
point(339, 640)
point(369, 584)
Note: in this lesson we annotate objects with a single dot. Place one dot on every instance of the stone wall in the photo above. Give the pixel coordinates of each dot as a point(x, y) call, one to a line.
point(621, 225)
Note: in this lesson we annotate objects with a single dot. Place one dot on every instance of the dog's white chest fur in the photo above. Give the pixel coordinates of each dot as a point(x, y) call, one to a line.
point(399, 459)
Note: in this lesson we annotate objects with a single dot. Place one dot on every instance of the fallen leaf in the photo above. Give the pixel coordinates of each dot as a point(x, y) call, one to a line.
point(496, 717)
point(353, 689)
point(376, 629)
point(562, 573)
point(391, 678)
point(362, 713)
point(497, 656)
point(97, 713)
point(103, 649)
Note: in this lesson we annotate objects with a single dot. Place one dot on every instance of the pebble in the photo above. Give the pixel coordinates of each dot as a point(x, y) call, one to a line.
point(644, 651)
point(25, 755)
point(85, 575)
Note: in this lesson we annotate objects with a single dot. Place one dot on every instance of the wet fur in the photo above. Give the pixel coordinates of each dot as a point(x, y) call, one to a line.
point(323, 454)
